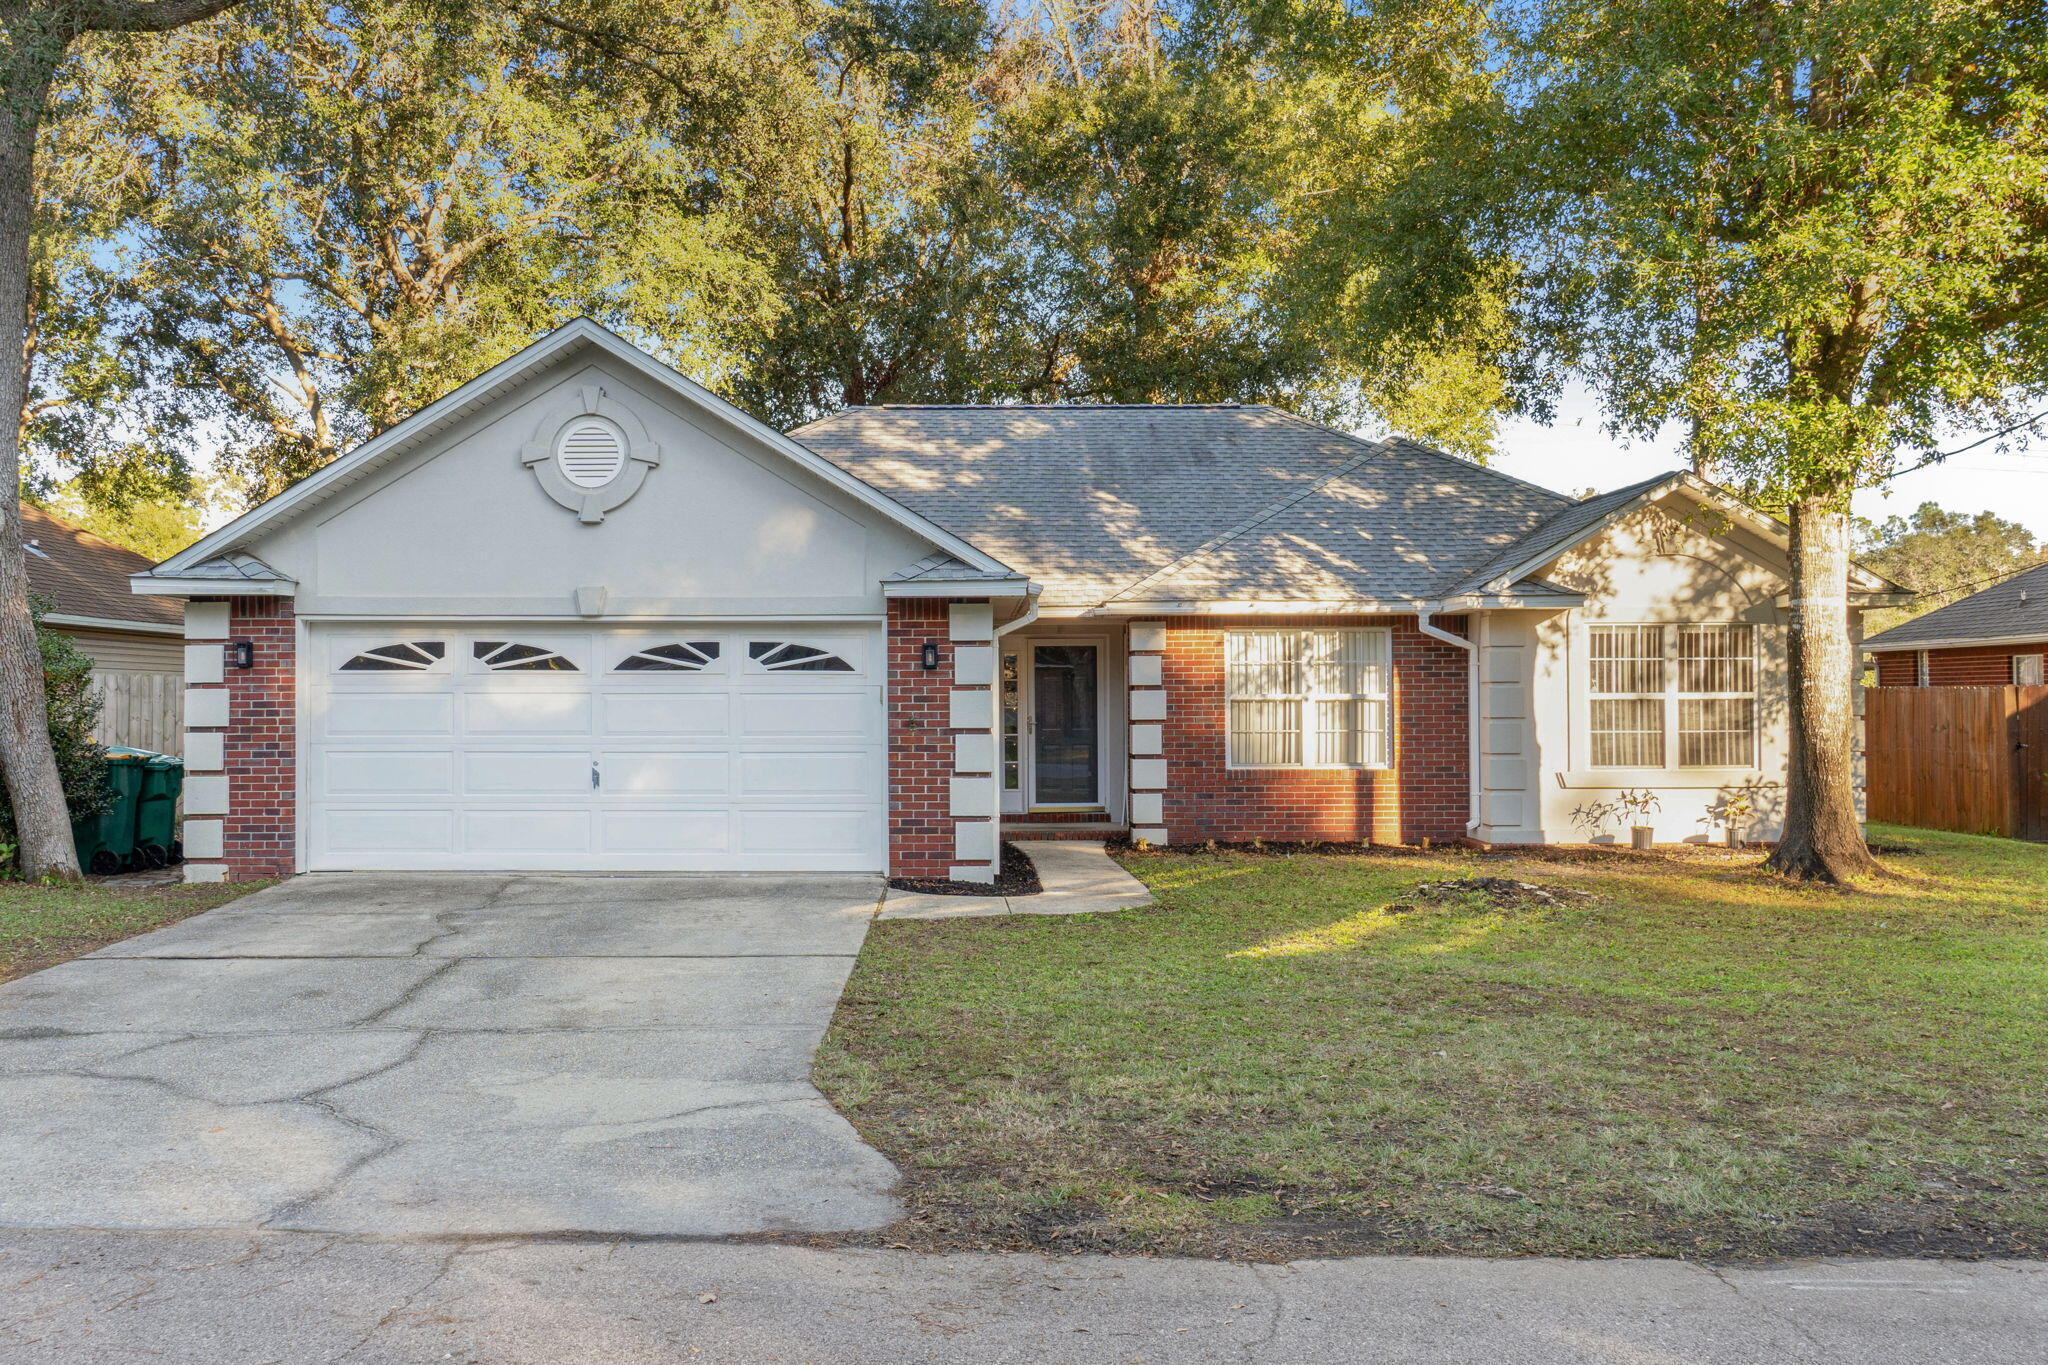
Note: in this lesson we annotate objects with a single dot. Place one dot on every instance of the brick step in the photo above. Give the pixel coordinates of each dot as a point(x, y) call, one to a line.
point(1063, 829)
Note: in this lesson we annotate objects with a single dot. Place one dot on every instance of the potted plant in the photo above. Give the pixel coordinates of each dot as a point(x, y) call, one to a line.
point(1638, 806)
point(1732, 814)
point(1594, 817)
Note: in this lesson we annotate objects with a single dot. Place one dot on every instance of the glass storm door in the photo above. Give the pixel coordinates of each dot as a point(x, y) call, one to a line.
point(1066, 745)
point(1010, 690)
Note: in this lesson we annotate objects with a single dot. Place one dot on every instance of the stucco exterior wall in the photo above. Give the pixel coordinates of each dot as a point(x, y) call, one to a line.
point(1663, 565)
point(724, 526)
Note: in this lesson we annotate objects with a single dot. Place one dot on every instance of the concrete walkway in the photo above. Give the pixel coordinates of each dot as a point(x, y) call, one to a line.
point(91, 1297)
point(435, 1055)
point(1079, 877)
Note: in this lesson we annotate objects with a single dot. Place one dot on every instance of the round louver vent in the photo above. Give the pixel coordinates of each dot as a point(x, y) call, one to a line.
point(590, 452)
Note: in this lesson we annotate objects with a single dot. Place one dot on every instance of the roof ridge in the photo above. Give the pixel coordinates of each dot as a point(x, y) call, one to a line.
point(1258, 518)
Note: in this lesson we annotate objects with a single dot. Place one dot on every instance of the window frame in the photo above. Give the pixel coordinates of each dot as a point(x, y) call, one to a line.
point(1672, 696)
point(1307, 696)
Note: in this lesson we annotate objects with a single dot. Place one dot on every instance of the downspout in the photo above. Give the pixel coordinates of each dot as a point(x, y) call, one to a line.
point(1423, 611)
point(995, 728)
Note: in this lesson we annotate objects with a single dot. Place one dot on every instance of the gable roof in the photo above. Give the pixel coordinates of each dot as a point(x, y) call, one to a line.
point(1158, 503)
point(86, 576)
point(2012, 611)
point(444, 412)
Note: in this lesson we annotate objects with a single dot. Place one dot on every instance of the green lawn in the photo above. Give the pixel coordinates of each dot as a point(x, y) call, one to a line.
point(1699, 1061)
point(41, 926)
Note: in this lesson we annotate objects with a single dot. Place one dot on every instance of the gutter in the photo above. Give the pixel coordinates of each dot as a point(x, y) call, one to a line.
point(1423, 611)
point(112, 623)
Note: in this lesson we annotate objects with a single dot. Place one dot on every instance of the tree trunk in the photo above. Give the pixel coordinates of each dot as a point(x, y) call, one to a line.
point(42, 822)
point(1823, 840)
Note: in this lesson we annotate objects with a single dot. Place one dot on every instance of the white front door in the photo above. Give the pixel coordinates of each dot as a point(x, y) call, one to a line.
point(717, 749)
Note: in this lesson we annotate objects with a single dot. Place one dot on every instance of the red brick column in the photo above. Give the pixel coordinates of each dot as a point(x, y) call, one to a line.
point(1424, 795)
point(920, 742)
point(259, 837)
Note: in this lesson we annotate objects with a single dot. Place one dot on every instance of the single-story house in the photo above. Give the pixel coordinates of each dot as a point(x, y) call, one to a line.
point(136, 643)
point(581, 613)
point(1992, 638)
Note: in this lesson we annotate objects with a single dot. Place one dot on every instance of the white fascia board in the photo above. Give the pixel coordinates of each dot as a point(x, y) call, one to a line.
point(1989, 641)
point(962, 587)
point(1228, 607)
point(62, 618)
point(169, 585)
point(461, 401)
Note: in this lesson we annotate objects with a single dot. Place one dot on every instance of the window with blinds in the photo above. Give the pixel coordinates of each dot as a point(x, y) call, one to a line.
point(1308, 698)
point(1648, 684)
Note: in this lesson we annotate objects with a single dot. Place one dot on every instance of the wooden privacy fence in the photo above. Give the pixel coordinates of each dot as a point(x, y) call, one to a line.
point(141, 710)
point(1971, 759)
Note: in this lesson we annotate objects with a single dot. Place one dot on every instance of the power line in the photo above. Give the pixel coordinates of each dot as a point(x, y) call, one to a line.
point(1937, 456)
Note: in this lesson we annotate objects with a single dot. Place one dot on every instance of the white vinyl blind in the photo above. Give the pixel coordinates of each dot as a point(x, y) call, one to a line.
point(1308, 698)
point(1649, 682)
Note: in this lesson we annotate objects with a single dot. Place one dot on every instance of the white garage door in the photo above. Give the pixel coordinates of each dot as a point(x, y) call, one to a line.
point(717, 749)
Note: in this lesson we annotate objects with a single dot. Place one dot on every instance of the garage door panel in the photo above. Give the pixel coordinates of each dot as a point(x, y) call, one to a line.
point(673, 831)
point(537, 712)
point(357, 773)
point(386, 831)
point(848, 714)
point(388, 713)
point(849, 774)
point(534, 832)
point(728, 768)
point(667, 774)
point(525, 772)
point(803, 831)
point(680, 714)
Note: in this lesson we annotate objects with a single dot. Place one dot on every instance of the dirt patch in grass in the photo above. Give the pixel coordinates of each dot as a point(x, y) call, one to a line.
point(1676, 1056)
point(41, 926)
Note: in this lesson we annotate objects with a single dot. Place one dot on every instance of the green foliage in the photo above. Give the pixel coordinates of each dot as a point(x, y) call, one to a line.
point(74, 714)
point(1815, 234)
point(1942, 555)
point(157, 526)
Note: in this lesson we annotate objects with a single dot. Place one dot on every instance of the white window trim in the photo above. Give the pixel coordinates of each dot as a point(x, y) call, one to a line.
point(1671, 697)
point(1307, 709)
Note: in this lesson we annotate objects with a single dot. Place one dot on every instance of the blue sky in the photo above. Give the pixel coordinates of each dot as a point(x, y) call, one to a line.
point(1574, 454)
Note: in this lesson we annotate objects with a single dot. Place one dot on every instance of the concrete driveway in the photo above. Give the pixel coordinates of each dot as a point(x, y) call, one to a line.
point(434, 1054)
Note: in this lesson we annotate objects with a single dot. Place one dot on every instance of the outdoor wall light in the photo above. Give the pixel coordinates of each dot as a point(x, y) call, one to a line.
point(241, 654)
point(929, 655)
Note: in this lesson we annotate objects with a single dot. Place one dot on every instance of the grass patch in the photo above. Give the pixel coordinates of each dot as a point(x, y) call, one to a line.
point(1696, 1060)
point(42, 925)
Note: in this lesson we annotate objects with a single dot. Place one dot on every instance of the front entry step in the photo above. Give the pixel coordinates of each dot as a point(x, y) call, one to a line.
point(1064, 829)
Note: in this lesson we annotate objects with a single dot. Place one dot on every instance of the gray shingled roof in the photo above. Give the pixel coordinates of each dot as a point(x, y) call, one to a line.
point(1561, 531)
point(231, 568)
point(1145, 503)
point(2015, 608)
point(941, 566)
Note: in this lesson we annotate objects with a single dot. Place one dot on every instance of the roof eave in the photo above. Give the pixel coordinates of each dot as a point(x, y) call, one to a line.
point(173, 585)
point(961, 587)
point(2039, 637)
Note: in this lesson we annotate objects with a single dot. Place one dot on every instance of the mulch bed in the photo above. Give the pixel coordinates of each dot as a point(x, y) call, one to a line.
point(1015, 877)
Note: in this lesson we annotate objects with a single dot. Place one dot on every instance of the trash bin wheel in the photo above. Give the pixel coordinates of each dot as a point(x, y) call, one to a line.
point(104, 863)
point(154, 855)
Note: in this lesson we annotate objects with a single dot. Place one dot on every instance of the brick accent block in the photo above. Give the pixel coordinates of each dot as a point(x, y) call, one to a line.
point(920, 741)
point(1425, 795)
point(260, 833)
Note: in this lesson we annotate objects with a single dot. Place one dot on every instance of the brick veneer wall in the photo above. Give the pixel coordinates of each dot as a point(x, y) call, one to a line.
point(240, 803)
point(941, 783)
point(260, 834)
point(1425, 795)
point(1963, 666)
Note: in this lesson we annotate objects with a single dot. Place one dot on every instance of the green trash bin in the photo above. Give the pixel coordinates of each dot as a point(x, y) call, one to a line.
point(156, 811)
point(106, 842)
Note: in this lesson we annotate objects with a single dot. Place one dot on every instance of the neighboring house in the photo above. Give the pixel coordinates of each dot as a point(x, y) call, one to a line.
point(136, 644)
point(1989, 639)
point(582, 613)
